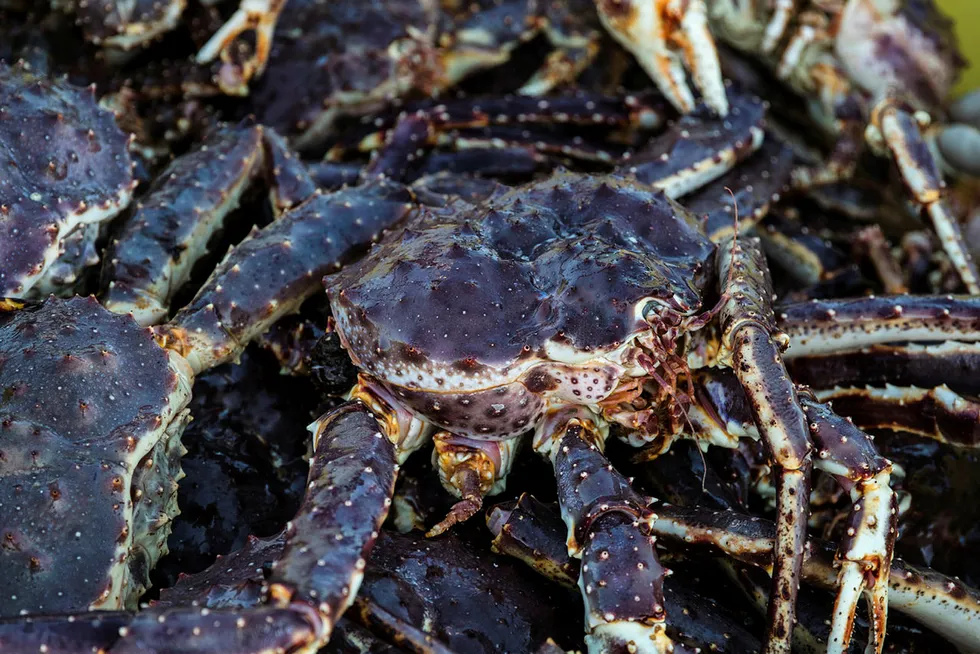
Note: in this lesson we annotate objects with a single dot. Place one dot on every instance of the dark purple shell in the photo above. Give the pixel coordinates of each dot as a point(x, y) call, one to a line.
point(83, 392)
point(336, 54)
point(563, 263)
point(63, 162)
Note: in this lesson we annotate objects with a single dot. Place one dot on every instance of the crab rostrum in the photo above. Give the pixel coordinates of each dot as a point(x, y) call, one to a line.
point(67, 172)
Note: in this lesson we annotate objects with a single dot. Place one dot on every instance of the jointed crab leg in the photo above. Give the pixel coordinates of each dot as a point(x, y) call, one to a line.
point(949, 607)
point(936, 413)
point(952, 363)
point(351, 482)
point(896, 130)
point(275, 269)
point(848, 454)
point(348, 494)
point(534, 533)
point(828, 326)
point(606, 522)
point(152, 257)
point(526, 529)
point(643, 111)
point(699, 148)
point(749, 333)
point(866, 551)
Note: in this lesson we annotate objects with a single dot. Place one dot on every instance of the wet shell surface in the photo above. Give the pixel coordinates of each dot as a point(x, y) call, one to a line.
point(91, 412)
point(491, 306)
point(64, 170)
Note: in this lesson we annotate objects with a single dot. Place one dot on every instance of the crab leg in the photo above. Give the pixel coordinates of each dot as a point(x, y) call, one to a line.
point(258, 15)
point(948, 606)
point(646, 111)
point(273, 271)
point(828, 326)
point(700, 147)
point(953, 364)
point(808, 258)
point(152, 257)
point(899, 132)
point(848, 454)
point(268, 629)
point(662, 34)
point(749, 189)
point(534, 533)
point(750, 335)
point(936, 413)
point(865, 555)
point(317, 575)
point(606, 520)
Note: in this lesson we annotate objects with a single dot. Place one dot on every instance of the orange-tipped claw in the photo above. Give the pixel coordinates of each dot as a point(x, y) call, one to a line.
point(669, 38)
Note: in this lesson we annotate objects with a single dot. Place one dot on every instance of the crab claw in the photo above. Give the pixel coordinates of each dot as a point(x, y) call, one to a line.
point(666, 36)
point(258, 15)
point(865, 559)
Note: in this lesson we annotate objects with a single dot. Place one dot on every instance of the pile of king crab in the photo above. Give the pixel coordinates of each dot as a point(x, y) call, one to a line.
point(493, 326)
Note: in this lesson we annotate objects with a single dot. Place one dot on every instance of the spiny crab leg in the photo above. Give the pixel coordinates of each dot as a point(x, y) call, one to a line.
point(152, 256)
point(351, 482)
point(533, 532)
point(865, 554)
point(948, 606)
point(750, 335)
point(525, 529)
point(829, 326)
point(849, 455)
point(937, 413)
point(276, 268)
point(665, 36)
point(952, 363)
point(898, 131)
point(606, 521)
point(257, 15)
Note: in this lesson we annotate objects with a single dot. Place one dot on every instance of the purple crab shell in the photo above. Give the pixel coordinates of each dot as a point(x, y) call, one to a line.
point(65, 169)
point(474, 312)
point(91, 412)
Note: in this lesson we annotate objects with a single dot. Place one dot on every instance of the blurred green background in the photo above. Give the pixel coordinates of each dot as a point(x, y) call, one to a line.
point(967, 16)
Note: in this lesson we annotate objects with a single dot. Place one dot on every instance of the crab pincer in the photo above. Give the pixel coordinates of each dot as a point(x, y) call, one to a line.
point(662, 35)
